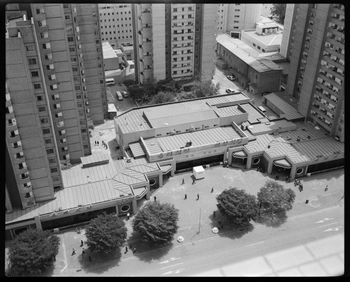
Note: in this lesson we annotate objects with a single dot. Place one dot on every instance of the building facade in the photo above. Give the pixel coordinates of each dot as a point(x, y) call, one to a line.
point(48, 97)
point(316, 53)
point(174, 41)
point(116, 23)
point(233, 18)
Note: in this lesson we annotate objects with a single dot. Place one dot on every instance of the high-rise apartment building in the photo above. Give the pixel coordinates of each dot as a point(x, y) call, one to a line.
point(174, 41)
point(315, 48)
point(116, 23)
point(233, 18)
point(48, 99)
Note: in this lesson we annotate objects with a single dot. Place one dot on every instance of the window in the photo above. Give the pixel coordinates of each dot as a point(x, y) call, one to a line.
point(71, 49)
point(67, 17)
point(32, 61)
point(46, 131)
point(70, 39)
point(42, 109)
point(30, 47)
point(35, 73)
point(49, 151)
point(44, 120)
point(39, 98)
point(48, 141)
point(37, 86)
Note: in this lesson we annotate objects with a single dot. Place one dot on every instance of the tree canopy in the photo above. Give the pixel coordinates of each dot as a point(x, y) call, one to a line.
point(105, 233)
point(163, 97)
point(237, 205)
point(32, 252)
point(156, 222)
point(205, 89)
point(274, 198)
point(278, 12)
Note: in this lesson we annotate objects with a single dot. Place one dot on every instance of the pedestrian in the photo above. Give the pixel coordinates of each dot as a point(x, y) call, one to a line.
point(197, 197)
point(126, 249)
point(81, 243)
point(90, 260)
point(212, 190)
point(326, 189)
point(73, 252)
point(193, 181)
point(134, 250)
point(301, 187)
point(183, 181)
point(83, 252)
point(185, 197)
point(128, 215)
point(307, 201)
point(155, 198)
point(214, 214)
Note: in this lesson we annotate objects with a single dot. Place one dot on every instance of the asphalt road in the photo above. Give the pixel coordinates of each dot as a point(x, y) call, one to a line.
point(224, 82)
point(217, 250)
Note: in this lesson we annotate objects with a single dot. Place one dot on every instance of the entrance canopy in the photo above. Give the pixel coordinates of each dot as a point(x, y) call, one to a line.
point(137, 150)
point(282, 163)
point(165, 168)
point(240, 154)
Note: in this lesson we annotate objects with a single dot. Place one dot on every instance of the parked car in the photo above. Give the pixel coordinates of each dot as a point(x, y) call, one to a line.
point(125, 94)
point(231, 77)
point(119, 96)
point(229, 90)
point(261, 108)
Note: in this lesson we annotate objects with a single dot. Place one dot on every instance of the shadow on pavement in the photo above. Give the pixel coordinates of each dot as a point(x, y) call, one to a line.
point(227, 228)
point(99, 262)
point(272, 220)
point(146, 251)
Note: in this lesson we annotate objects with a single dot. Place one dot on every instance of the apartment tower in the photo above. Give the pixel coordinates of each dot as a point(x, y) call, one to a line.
point(315, 49)
point(116, 23)
point(174, 41)
point(47, 99)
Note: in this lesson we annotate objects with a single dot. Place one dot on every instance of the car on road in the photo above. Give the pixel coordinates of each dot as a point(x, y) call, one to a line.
point(229, 90)
point(125, 94)
point(119, 96)
point(231, 77)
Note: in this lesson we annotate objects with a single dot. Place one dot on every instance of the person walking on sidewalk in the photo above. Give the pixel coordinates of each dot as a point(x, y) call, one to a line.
point(185, 197)
point(155, 198)
point(326, 189)
point(126, 249)
point(183, 181)
point(212, 190)
point(197, 197)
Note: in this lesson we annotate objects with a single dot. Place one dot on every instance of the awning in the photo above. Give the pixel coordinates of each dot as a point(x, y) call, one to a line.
point(165, 169)
point(240, 154)
point(139, 192)
point(137, 150)
point(282, 163)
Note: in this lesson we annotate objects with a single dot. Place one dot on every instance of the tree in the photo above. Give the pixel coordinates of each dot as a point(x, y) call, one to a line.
point(273, 198)
point(105, 233)
point(205, 89)
point(156, 222)
point(237, 205)
point(162, 97)
point(278, 12)
point(32, 252)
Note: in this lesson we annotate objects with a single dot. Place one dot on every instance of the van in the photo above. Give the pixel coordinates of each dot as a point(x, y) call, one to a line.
point(261, 108)
point(110, 81)
point(119, 96)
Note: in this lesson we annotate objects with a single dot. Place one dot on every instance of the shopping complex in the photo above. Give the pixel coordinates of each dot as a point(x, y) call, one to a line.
point(158, 141)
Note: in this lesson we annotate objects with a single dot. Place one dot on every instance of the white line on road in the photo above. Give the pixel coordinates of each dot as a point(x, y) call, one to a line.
point(257, 243)
point(169, 260)
point(176, 264)
point(64, 255)
point(173, 271)
point(328, 224)
point(332, 229)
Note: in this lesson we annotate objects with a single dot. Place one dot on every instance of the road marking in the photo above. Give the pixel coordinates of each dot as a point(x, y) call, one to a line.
point(323, 220)
point(169, 260)
point(173, 271)
point(329, 224)
point(176, 264)
point(64, 255)
point(253, 244)
point(332, 229)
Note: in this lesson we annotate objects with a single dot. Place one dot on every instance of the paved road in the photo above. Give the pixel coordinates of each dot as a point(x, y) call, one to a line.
point(219, 77)
point(215, 251)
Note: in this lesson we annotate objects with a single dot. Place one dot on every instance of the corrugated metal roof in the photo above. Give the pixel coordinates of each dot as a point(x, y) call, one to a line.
point(137, 150)
point(263, 128)
point(132, 121)
point(289, 112)
point(222, 100)
point(198, 138)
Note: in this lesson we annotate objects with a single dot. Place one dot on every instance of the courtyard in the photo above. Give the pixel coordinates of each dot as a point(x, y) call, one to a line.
point(196, 220)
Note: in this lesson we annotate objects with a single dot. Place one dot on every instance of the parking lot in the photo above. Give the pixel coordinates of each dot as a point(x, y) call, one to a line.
point(123, 105)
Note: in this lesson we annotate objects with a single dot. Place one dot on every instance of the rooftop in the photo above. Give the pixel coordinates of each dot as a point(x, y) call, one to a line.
point(246, 53)
point(108, 51)
point(288, 111)
point(265, 39)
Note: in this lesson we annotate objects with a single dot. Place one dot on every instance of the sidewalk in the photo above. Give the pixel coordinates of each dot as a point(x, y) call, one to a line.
point(323, 257)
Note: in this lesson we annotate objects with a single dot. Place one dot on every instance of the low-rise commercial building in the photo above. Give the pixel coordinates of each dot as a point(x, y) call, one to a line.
point(253, 71)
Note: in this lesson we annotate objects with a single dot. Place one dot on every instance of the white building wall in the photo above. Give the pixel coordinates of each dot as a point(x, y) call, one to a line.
point(288, 20)
point(158, 41)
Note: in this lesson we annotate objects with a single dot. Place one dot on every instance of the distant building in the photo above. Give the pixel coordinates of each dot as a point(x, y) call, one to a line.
point(233, 18)
point(315, 48)
point(266, 37)
point(258, 74)
point(116, 24)
point(174, 41)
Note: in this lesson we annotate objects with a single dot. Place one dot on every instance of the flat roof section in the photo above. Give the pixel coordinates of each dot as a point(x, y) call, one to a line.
point(137, 150)
point(254, 115)
point(288, 112)
point(267, 39)
point(223, 101)
point(271, 126)
point(94, 159)
point(228, 111)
